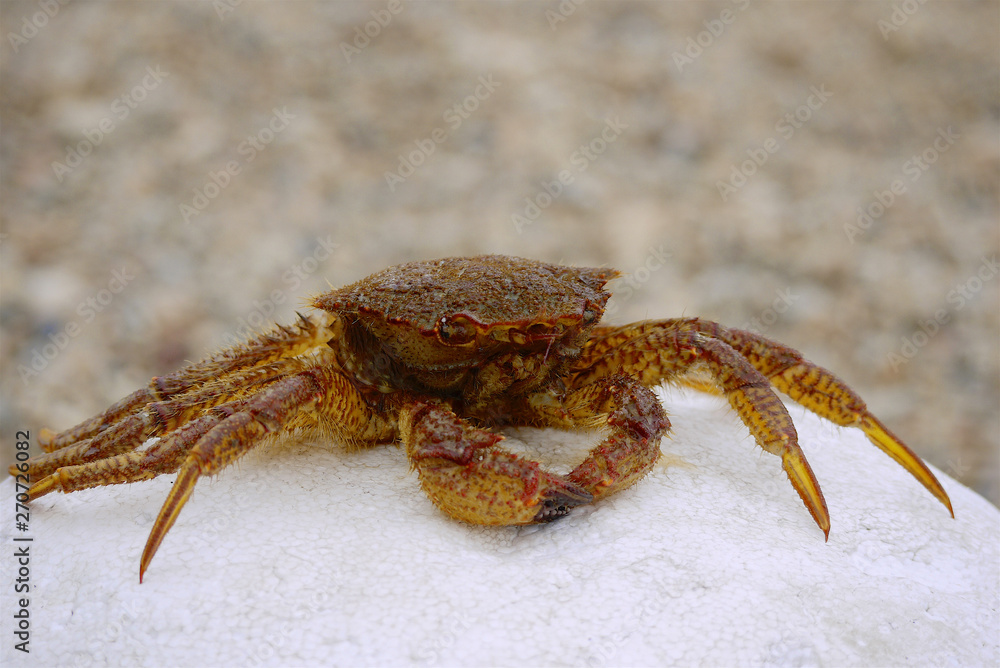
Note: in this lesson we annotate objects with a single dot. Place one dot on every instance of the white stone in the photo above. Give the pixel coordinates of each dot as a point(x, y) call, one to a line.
point(316, 556)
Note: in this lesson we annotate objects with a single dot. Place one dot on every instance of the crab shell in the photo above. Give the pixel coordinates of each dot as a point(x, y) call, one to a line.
point(455, 313)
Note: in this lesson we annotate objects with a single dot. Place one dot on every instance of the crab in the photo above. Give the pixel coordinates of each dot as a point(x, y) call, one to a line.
point(438, 356)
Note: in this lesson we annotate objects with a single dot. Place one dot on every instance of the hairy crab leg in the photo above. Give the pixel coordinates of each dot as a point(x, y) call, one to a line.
point(659, 354)
point(828, 396)
point(158, 417)
point(327, 396)
point(281, 341)
point(164, 456)
point(51, 441)
point(221, 446)
point(816, 388)
point(124, 436)
point(243, 425)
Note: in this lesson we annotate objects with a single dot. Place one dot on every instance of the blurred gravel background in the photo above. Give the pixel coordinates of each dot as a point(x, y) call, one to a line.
point(173, 173)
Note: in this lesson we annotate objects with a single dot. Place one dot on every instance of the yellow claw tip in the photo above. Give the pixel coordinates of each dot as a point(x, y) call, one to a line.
point(890, 444)
point(49, 483)
point(804, 481)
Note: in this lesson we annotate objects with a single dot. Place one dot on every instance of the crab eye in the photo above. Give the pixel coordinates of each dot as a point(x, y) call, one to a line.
point(455, 331)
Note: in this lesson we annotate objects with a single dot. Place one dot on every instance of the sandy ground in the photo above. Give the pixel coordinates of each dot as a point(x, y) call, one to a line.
point(174, 173)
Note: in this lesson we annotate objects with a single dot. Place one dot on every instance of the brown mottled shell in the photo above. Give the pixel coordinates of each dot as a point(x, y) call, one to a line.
point(489, 290)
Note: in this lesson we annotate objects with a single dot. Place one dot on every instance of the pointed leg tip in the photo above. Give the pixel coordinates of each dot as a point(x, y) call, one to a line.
point(49, 483)
point(144, 562)
point(175, 500)
point(801, 476)
point(943, 497)
point(822, 519)
point(889, 443)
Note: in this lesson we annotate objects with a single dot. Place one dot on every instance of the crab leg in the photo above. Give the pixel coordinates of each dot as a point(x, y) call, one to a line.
point(123, 436)
point(663, 353)
point(826, 395)
point(633, 348)
point(282, 341)
point(164, 456)
point(157, 417)
point(239, 429)
point(325, 394)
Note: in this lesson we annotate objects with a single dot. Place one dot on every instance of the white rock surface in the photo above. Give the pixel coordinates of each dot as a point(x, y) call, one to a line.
point(314, 556)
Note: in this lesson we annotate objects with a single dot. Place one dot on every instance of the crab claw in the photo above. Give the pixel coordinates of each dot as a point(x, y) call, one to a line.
point(890, 444)
point(467, 475)
point(558, 501)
